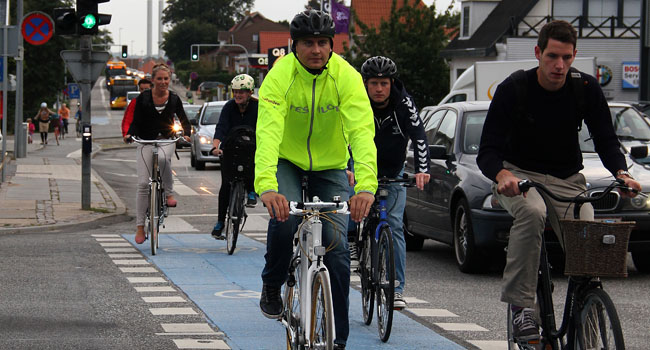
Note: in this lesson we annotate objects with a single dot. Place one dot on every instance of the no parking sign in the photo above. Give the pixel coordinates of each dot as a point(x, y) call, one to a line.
point(37, 28)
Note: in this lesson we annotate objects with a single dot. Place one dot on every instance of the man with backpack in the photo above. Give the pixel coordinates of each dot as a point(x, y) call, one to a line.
point(531, 132)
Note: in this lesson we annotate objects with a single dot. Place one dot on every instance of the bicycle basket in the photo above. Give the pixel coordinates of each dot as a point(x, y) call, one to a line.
point(596, 248)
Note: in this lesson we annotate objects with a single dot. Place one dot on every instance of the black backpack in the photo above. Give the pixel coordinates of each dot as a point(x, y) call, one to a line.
point(576, 81)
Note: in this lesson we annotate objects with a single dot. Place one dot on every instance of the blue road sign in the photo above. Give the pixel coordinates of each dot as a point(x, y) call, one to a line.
point(73, 91)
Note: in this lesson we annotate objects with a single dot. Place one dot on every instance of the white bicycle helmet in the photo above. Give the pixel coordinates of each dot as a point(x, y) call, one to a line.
point(243, 82)
point(43, 105)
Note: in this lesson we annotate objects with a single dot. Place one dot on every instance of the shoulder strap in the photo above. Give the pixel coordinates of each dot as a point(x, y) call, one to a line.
point(578, 89)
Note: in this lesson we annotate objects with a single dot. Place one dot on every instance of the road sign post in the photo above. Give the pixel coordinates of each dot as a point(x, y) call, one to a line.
point(85, 66)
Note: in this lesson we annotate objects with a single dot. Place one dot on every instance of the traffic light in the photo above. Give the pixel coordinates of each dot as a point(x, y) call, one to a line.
point(125, 51)
point(65, 21)
point(88, 20)
point(195, 53)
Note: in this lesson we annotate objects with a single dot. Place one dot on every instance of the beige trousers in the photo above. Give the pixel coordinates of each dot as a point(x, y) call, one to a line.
point(524, 245)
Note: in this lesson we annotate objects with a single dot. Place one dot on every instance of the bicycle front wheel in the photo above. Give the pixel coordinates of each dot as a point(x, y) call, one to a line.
point(386, 285)
point(291, 313)
point(235, 213)
point(597, 323)
point(154, 199)
point(322, 313)
point(365, 270)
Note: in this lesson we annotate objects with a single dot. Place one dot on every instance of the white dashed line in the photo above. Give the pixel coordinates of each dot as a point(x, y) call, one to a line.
point(173, 311)
point(432, 312)
point(412, 300)
point(120, 250)
point(138, 269)
point(146, 280)
point(116, 239)
point(461, 327)
point(112, 244)
point(194, 328)
point(131, 262)
point(201, 344)
point(490, 344)
point(125, 256)
point(164, 300)
point(155, 289)
point(105, 235)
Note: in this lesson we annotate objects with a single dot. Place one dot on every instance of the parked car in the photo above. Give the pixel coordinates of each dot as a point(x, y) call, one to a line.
point(457, 206)
point(201, 139)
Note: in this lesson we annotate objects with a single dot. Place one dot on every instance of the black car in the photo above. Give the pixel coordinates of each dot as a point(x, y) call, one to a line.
point(457, 206)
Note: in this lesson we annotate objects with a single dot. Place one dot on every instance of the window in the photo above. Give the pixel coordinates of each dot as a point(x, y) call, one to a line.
point(473, 130)
point(256, 37)
point(600, 10)
point(446, 132)
point(432, 124)
point(567, 10)
point(465, 28)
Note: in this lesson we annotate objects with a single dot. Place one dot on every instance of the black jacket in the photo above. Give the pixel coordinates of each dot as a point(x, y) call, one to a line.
point(231, 117)
point(546, 142)
point(148, 123)
point(394, 125)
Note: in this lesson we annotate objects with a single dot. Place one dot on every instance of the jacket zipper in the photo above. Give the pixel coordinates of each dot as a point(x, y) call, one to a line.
point(311, 123)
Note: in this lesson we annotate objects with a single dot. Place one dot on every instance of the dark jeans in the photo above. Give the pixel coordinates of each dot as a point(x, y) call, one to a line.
point(228, 174)
point(279, 247)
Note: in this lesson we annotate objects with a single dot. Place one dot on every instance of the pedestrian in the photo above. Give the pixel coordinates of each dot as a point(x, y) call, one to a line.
point(312, 105)
point(64, 114)
point(526, 108)
point(56, 124)
point(77, 117)
point(43, 118)
point(31, 128)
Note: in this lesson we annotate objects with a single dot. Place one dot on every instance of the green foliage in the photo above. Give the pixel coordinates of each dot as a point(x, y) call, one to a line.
point(221, 13)
point(178, 40)
point(413, 37)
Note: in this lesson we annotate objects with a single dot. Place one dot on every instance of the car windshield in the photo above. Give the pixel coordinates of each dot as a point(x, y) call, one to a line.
point(473, 129)
point(629, 125)
point(192, 111)
point(211, 115)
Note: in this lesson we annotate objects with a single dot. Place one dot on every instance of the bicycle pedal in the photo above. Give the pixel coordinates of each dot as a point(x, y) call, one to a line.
point(534, 344)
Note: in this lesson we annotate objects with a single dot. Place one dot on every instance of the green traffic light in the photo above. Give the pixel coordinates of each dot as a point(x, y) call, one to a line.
point(195, 57)
point(89, 21)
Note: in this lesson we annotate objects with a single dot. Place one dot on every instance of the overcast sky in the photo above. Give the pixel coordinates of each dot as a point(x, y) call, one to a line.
point(131, 17)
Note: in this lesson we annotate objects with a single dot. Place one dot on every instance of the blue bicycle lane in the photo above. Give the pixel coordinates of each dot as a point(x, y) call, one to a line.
point(227, 289)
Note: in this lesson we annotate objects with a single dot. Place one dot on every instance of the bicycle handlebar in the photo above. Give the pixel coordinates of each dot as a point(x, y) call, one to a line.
point(150, 142)
point(525, 185)
point(306, 208)
point(405, 180)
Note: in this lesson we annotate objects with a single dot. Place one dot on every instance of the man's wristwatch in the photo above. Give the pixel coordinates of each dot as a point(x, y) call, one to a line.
point(624, 172)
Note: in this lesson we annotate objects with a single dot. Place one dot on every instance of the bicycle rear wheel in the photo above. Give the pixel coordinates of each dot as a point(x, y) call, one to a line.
point(291, 313)
point(597, 323)
point(386, 283)
point(235, 213)
point(322, 313)
point(153, 216)
point(365, 271)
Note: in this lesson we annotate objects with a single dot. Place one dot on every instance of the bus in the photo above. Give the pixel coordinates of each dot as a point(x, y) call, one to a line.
point(119, 86)
point(114, 68)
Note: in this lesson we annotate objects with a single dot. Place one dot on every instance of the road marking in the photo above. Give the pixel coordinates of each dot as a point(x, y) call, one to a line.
point(176, 224)
point(131, 262)
point(413, 300)
point(117, 239)
point(183, 189)
point(118, 174)
point(195, 328)
point(173, 299)
point(109, 244)
point(155, 289)
point(120, 160)
point(75, 154)
point(432, 312)
point(138, 269)
point(146, 280)
point(490, 344)
point(105, 235)
point(239, 294)
point(125, 256)
point(173, 311)
point(201, 344)
point(355, 278)
point(205, 189)
point(120, 250)
point(460, 327)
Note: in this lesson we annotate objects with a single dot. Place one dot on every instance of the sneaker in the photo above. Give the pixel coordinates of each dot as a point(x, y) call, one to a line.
point(399, 303)
point(354, 256)
point(339, 346)
point(252, 200)
point(271, 302)
point(216, 231)
point(524, 326)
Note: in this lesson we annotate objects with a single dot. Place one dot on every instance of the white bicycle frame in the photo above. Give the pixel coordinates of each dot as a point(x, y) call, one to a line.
point(311, 242)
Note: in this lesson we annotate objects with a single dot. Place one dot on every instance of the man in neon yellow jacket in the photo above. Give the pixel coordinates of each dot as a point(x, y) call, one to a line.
point(312, 105)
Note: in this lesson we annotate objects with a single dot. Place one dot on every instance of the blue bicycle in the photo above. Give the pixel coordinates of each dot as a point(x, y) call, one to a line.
point(377, 261)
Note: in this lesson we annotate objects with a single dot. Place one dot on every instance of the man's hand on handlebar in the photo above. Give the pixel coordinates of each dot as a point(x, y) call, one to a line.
point(631, 183)
point(277, 205)
point(360, 205)
point(216, 151)
point(508, 183)
point(421, 179)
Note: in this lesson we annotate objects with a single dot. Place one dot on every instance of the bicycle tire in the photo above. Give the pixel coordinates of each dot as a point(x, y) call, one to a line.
point(235, 210)
point(322, 313)
point(597, 323)
point(291, 312)
point(365, 272)
point(153, 217)
point(386, 284)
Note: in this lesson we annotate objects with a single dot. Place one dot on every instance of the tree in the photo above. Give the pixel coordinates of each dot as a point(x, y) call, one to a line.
point(221, 13)
point(412, 37)
point(178, 40)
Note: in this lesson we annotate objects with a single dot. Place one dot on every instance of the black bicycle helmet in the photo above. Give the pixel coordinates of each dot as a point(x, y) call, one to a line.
point(378, 67)
point(311, 23)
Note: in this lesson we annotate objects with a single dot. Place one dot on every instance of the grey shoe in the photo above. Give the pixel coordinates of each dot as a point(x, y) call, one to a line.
point(399, 303)
point(524, 326)
point(271, 302)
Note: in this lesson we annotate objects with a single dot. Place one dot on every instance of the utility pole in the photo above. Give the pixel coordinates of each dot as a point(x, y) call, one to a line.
point(644, 80)
point(20, 149)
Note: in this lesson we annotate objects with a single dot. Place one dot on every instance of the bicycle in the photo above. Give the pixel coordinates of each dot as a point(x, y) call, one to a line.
point(377, 261)
point(158, 209)
point(308, 314)
point(589, 319)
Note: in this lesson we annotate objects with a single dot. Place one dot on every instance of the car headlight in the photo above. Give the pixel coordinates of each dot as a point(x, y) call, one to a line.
point(491, 203)
point(204, 140)
point(640, 202)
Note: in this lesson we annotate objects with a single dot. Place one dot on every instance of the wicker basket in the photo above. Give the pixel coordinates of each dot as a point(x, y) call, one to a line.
point(596, 248)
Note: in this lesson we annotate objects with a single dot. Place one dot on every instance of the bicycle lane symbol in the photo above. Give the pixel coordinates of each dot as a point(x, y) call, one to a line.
point(238, 294)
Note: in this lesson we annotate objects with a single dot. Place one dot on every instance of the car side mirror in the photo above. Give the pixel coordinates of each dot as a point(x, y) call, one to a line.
point(438, 152)
point(194, 121)
point(639, 152)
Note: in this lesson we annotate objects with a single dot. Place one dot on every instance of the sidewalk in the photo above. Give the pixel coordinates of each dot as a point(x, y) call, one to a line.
point(43, 190)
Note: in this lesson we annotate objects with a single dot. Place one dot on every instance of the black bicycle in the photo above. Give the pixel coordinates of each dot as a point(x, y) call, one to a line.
point(377, 260)
point(589, 320)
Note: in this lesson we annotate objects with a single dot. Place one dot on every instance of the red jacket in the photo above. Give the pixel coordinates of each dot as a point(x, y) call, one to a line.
point(128, 117)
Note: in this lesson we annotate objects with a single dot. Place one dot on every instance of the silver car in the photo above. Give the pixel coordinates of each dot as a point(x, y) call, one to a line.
point(201, 139)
